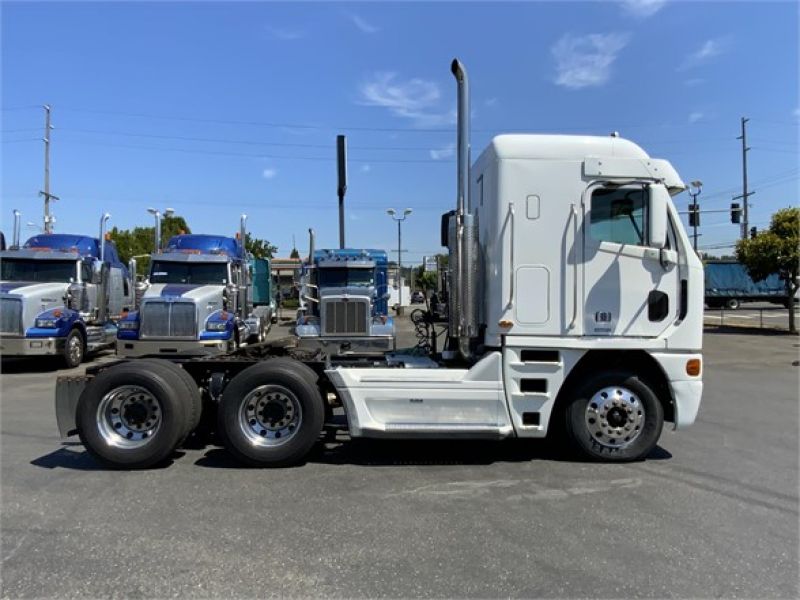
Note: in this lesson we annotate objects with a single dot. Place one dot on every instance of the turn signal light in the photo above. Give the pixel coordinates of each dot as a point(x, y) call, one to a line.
point(505, 324)
point(693, 367)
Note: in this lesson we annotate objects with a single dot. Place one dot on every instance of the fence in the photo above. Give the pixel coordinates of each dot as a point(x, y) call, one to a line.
point(771, 317)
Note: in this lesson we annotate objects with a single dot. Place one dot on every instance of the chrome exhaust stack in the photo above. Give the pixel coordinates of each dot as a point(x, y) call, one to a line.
point(464, 243)
point(15, 233)
point(311, 248)
point(103, 221)
point(243, 233)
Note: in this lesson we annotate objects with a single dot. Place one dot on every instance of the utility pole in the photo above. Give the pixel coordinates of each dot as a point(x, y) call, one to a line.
point(745, 193)
point(48, 226)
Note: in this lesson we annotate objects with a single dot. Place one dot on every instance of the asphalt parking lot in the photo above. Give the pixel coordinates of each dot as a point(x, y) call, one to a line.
point(712, 512)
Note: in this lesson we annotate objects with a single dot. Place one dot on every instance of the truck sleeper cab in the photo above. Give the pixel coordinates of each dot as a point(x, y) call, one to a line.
point(575, 310)
point(61, 294)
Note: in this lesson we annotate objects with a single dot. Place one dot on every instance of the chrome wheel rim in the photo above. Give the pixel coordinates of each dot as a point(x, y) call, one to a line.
point(128, 416)
point(74, 350)
point(270, 415)
point(615, 417)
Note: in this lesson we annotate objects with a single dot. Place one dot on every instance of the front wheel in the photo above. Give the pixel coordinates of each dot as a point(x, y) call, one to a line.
point(733, 304)
point(74, 349)
point(272, 413)
point(614, 417)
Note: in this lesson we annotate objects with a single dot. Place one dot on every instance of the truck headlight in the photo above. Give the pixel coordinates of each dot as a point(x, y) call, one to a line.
point(128, 325)
point(216, 326)
point(46, 323)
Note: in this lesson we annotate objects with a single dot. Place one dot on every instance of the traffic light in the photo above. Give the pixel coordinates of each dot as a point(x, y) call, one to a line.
point(736, 213)
point(753, 232)
point(694, 215)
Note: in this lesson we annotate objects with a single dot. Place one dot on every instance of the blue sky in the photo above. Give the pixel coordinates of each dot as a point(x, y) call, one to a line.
point(216, 109)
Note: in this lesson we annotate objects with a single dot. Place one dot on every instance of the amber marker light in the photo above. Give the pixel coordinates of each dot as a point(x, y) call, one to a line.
point(693, 367)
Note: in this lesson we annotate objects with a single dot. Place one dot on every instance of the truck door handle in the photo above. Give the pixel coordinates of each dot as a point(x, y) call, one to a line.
point(511, 267)
point(574, 217)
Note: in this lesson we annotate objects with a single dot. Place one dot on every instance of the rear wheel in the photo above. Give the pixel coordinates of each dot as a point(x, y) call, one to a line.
point(74, 349)
point(133, 415)
point(192, 392)
point(732, 304)
point(272, 413)
point(614, 417)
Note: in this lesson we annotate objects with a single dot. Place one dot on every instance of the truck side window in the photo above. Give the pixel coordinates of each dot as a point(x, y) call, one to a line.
point(619, 215)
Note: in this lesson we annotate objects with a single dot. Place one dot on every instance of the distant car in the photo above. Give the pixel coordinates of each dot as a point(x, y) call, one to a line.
point(417, 297)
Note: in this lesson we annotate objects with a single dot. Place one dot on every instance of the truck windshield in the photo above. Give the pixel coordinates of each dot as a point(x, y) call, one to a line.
point(345, 277)
point(45, 271)
point(199, 273)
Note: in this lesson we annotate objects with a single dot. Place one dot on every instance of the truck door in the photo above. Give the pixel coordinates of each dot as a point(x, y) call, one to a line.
point(627, 291)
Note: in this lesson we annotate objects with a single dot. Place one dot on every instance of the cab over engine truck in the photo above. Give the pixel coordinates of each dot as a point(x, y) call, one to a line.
point(344, 308)
point(575, 309)
point(61, 294)
point(199, 300)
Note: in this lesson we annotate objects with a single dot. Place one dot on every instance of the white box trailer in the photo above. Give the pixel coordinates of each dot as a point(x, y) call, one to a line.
point(575, 309)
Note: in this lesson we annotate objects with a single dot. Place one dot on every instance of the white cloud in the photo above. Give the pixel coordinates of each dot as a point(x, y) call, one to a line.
point(586, 61)
point(269, 173)
point(278, 33)
point(365, 168)
point(642, 8)
point(796, 113)
point(694, 82)
point(491, 102)
point(445, 152)
point(415, 99)
point(363, 25)
point(706, 52)
point(696, 116)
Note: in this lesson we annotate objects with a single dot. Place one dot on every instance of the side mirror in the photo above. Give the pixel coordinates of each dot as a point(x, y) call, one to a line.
point(657, 216)
point(97, 272)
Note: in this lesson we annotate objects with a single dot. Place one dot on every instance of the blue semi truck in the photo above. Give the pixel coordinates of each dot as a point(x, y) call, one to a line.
point(344, 297)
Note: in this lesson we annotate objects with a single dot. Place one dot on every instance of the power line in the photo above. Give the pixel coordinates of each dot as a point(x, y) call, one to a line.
point(259, 155)
point(235, 141)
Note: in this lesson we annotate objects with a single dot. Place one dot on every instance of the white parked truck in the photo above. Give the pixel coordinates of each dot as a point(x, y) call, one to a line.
point(61, 295)
point(575, 309)
point(198, 298)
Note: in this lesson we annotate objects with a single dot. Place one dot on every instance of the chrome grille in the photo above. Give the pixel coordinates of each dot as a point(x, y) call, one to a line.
point(346, 317)
point(11, 316)
point(182, 320)
point(168, 319)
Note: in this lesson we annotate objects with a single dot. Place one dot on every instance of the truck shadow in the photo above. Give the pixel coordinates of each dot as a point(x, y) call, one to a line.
point(80, 460)
point(45, 364)
point(390, 453)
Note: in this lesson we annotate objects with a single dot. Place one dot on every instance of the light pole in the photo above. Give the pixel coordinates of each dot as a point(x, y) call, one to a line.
point(695, 187)
point(168, 212)
point(393, 213)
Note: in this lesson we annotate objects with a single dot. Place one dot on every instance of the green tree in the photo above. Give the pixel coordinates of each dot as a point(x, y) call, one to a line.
point(294, 254)
point(776, 250)
point(259, 248)
point(139, 241)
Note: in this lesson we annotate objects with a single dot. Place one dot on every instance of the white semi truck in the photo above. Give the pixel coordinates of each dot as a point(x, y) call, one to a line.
point(198, 299)
point(61, 295)
point(575, 310)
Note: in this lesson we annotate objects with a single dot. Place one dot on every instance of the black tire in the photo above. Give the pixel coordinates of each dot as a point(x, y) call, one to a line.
point(163, 385)
point(193, 395)
point(74, 349)
point(600, 446)
point(293, 382)
point(733, 304)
